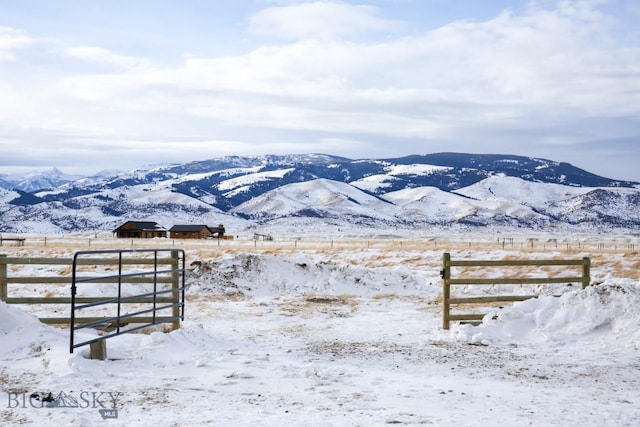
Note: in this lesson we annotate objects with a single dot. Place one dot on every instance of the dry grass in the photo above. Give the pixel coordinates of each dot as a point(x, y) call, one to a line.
point(4, 379)
point(348, 300)
point(620, 263)
point(608, 258)
point(65, 271)
point(162, 327)
point(50, 293)
point(385, 296)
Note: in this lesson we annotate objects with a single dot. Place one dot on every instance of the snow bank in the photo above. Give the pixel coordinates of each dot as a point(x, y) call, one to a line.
point(22, 334)
point(262, 275)
point(608, 312)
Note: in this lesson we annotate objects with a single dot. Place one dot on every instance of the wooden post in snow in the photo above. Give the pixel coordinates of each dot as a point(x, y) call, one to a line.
point(446, 289)
point(3, 280)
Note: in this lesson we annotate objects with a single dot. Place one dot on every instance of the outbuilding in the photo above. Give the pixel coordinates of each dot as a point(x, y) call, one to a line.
point(140, 230)
point(189, 231)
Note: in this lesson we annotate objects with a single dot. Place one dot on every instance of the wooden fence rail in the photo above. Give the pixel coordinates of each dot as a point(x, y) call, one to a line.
point(17, 240)
point(583, 277)
point(7, 278)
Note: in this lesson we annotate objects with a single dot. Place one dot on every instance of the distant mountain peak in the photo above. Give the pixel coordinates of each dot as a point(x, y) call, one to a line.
point(39, 180)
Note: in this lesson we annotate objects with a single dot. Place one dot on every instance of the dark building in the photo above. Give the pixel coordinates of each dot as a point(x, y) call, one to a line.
point(190, 232)
point(140, 229)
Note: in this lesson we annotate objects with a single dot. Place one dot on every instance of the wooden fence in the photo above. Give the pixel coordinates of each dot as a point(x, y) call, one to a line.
point(17, 240)
point(10, 279)
point(583, 277)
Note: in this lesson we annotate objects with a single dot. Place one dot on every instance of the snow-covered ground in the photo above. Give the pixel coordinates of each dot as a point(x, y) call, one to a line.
point(344, 333)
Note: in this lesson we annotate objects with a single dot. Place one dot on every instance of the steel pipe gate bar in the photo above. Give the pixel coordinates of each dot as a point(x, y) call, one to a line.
point(175, 301)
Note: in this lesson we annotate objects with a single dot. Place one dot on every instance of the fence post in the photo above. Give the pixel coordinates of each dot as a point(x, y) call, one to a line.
point(586, 272)
point(175, 285)
point(98, 350)
point(446, 288)
point(3, 279)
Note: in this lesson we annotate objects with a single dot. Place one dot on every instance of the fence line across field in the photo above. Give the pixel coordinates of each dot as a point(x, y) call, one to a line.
point(339, 242)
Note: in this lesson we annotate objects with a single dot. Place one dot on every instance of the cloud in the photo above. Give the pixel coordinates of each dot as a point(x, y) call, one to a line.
point(547, 77)
point(319, 20)
point(98, 54)
point(504, 73)
point(12, 39)
point(532, 59)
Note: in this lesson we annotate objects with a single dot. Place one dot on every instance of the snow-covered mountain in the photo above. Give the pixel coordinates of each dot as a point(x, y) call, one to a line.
point(320, 198)
point(35, 181)
point(443, 189)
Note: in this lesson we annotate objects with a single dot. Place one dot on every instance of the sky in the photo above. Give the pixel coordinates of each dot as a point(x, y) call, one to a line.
point(87, 86)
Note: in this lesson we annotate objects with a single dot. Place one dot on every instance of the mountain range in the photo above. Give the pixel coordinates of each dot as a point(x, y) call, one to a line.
point(432, 190)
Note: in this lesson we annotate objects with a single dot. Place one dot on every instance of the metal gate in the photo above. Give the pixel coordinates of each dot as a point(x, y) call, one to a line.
point(143, 287)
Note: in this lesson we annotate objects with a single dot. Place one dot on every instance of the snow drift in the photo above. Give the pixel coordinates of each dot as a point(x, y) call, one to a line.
point(607, 312)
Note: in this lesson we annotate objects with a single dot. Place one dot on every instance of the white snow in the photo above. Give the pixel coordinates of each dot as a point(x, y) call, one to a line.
point(534, 194)
point(433, 203)
point(335, 198)
point(377, 182)
point(373, 183)
point(415, 169)
point(245, 180)
point(315, 332)
point(7, 196)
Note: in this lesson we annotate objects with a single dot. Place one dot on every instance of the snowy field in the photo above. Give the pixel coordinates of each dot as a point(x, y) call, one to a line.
point(319, 330)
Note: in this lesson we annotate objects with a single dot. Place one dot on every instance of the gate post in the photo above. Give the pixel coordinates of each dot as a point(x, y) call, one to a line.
point(98, 350)
point(3, 279)
point(175, 295)
point(586, 272)
point(446, 288)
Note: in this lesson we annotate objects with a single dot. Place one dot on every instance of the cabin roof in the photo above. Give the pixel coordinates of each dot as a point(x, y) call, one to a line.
point(143, 225)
